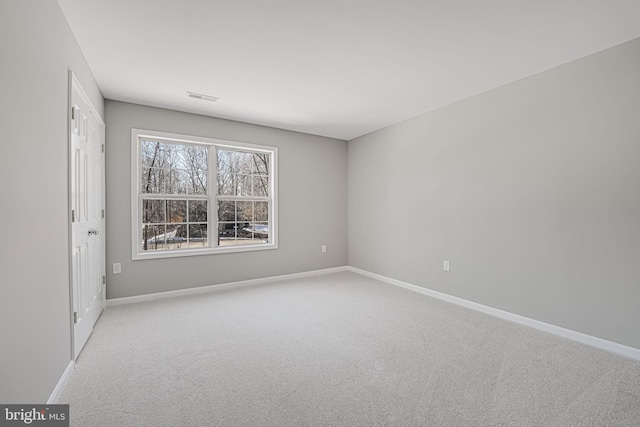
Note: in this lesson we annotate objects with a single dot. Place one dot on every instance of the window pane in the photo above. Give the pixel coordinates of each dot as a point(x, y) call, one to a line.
point(244, 232)
point(261, 163)
point(260, 240)
point(152, 181)
point(196, 157)
point(177, 182)
point(225, 185)
point(198, 236)
point(243, 162)
point(176, 211)
point(243, 185)
point(153, 238)
point(225, 173)
point(176, 236)
point(235, 169)
point(152, 153)
point(197, 182)
point(245, 211)
point(226, 211)
point(197, 211)
point(153, 211)
point(226, 234)
point(261, 231)
point(254, 234)
point(175, 156)
point(261, 186)
point(261, 211)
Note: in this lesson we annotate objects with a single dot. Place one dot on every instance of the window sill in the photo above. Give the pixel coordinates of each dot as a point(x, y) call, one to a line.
point(198, 252)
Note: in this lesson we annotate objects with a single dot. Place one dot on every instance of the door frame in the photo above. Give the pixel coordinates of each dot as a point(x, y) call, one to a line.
point(74, 82)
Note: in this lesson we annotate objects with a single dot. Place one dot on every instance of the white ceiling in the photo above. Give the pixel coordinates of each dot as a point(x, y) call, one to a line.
point(338, 68)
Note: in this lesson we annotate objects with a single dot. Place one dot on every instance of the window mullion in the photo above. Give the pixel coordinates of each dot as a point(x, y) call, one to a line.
point(212, 214)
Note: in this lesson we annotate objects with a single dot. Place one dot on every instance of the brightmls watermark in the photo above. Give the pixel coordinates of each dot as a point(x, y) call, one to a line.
point(36, 415)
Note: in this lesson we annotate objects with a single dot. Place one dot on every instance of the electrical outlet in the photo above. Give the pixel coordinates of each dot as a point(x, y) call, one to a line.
point(117, 268)
point(445, 265)
point(324, 249)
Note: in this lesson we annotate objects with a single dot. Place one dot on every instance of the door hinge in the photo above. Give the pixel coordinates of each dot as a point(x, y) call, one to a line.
point(75, 317)
point(102, 148)
point(73, 113)
point(104, 280)
point(102, 213)
point(73, 216)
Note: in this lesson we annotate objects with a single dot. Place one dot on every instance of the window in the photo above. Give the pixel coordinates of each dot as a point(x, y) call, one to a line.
point(195, 195)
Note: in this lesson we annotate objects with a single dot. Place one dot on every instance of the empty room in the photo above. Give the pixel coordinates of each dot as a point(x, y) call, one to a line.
point(336, 213)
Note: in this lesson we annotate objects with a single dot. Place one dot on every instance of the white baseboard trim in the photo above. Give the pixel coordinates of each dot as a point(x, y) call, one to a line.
point(55, 394)
point(613, 347)
point(223, 286)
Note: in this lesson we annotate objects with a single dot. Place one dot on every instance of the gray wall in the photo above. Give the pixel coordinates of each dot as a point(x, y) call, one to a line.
point(37, 50)
point(312, 204)
point(531, 190)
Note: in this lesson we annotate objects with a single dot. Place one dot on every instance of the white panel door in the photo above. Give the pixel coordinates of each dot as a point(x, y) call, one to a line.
point(87, 215)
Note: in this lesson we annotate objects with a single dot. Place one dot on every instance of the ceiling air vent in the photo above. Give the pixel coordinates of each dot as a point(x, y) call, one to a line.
point(202, 97)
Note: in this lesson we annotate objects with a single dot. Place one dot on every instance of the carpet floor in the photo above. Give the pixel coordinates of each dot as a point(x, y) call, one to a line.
point(338, 350)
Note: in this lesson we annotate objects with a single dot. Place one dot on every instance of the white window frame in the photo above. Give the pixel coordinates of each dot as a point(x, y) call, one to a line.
point(212, 198)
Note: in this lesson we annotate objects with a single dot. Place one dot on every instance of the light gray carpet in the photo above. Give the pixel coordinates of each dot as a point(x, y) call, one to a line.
point(338, 350)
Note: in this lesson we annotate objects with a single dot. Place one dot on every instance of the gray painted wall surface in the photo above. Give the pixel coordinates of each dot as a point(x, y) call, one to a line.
point(37, 50)
point(312, 204)
point(531, 190)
